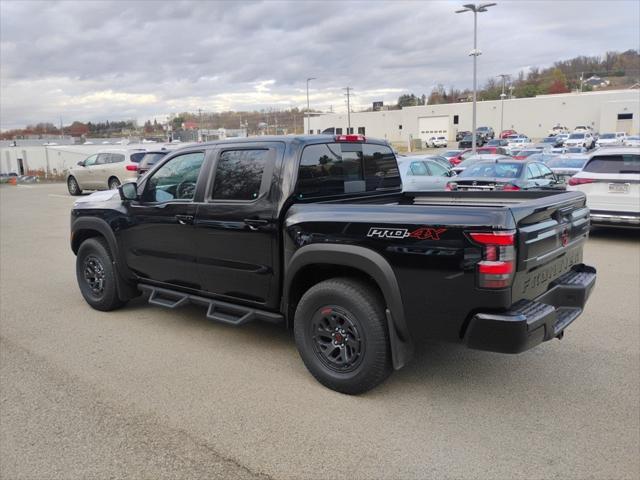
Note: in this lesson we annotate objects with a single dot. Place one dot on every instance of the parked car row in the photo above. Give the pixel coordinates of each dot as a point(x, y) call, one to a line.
point(610, 177)
point(111, 167)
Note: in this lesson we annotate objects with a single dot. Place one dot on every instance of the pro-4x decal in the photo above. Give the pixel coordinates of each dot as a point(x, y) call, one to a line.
point(422, 233)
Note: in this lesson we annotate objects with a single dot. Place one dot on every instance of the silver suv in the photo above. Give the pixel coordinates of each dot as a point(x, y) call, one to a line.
point(105, 170)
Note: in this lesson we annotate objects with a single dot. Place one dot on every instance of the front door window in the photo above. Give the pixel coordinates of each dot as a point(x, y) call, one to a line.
point(175, 180)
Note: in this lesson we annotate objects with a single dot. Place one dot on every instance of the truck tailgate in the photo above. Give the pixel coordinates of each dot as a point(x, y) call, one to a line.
point(551, 234)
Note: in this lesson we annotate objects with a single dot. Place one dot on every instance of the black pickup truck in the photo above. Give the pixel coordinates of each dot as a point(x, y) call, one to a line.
point(315, 232)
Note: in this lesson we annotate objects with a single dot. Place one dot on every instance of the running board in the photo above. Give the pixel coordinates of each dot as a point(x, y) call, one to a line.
point(224, 312)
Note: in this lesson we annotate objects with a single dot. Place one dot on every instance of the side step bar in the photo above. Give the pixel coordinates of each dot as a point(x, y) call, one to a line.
point(224, 312)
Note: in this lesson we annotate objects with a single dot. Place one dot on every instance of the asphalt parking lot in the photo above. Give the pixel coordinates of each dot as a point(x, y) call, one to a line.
point(145, 392)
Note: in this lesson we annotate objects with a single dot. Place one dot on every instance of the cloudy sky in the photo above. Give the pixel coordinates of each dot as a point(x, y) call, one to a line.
point(99, 60)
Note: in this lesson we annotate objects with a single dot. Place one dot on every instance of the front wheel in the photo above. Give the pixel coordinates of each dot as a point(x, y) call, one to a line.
point(341, 334)
point(73, 186)
point(96, 275)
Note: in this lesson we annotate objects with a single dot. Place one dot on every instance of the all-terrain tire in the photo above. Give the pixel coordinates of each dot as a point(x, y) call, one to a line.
point(96, 275)
point(341, 333)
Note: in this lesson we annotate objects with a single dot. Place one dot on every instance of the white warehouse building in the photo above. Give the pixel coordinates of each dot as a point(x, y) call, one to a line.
point(604, 111)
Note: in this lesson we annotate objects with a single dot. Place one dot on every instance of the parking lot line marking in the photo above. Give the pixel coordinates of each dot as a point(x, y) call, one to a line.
point(57, 195)
point(24, 186)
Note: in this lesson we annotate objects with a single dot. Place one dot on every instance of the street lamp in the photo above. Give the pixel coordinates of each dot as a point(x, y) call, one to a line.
point(308, 115)
point(470, 7)
point(504, 76)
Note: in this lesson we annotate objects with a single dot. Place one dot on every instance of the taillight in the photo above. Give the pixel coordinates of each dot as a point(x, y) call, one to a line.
point(496, 269)
point(573, 181)
point(510, 187)
point(454, 161)
point(350, 138)
point(451, 186)
point(131, 167)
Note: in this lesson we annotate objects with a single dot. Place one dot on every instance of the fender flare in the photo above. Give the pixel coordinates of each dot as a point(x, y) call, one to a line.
point(126, 289)
point(374, 265)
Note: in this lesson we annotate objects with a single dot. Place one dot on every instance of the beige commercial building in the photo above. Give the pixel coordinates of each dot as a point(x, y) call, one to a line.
point(604, 111)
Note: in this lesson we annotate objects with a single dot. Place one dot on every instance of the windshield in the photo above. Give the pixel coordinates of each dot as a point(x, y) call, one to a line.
point(151, 158)
point(608, 135)
point(493, 170)
point(549, 140)
point(467, 138)
point(633, 138)
point(567, 162)
point(451, 153)
point(575, 150)
point(526, 153)
point(576, 136)
point(628, 163)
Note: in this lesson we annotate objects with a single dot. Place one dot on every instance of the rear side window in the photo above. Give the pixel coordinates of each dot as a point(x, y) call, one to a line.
point(150, 159)
point(239, 174)
point(627, 163)
point(136, 157)
point(116, 158)
point(342, 168)
point(419, 168)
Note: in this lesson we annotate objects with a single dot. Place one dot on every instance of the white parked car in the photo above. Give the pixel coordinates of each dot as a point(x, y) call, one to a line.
point(611, 139)
point(582, 128)
point(557, 130)
point(105, 170)
point(580, 139)
point(562, 137)
point(437, 142)
point(632, 141)
point(517, 142)
point(421, 174)
point(611, 181)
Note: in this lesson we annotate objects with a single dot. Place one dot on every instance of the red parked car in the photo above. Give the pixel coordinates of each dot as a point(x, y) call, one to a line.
point(506, 133)
point(464, 154)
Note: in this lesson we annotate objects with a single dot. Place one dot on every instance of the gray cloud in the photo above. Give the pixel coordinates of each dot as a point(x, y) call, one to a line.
point(115, 59)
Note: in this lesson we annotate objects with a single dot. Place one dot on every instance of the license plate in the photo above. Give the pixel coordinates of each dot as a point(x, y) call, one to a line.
point(618, 188)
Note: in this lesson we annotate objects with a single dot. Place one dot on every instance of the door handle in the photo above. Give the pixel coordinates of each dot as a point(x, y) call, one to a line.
point(185, 219)
point(255, 223)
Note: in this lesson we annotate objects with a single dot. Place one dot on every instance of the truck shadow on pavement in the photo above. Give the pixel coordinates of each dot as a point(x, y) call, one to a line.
point(451, 367)
point(615, 234)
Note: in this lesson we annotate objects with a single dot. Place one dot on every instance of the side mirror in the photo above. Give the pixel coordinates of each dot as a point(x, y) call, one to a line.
point(81, 163)
point(128, 191)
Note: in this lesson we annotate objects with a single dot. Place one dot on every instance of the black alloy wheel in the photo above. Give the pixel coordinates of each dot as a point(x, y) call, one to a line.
point(337, 341)
point(342, 336)
point(94, 275)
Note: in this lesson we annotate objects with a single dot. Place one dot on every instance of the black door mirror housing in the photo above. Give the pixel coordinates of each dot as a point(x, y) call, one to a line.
point(128, 191)
point(81, 163)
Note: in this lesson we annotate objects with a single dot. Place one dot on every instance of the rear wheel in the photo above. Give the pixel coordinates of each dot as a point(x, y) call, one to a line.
point(72, 185)
point(96, 275)
point(113, 183)
point(341, 335)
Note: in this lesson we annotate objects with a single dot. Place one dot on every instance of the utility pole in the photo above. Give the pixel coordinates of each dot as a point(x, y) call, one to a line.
point(475, 53)
point(348, 95)
point(308, 113)
point(199, 124)
point(504, 77)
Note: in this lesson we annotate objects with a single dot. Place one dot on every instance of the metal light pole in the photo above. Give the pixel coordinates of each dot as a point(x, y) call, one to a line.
point(504, 76)
point(308, 115)
point(471, 7)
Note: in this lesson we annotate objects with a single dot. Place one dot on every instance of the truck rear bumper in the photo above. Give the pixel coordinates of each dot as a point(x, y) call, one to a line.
point(530, 322)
